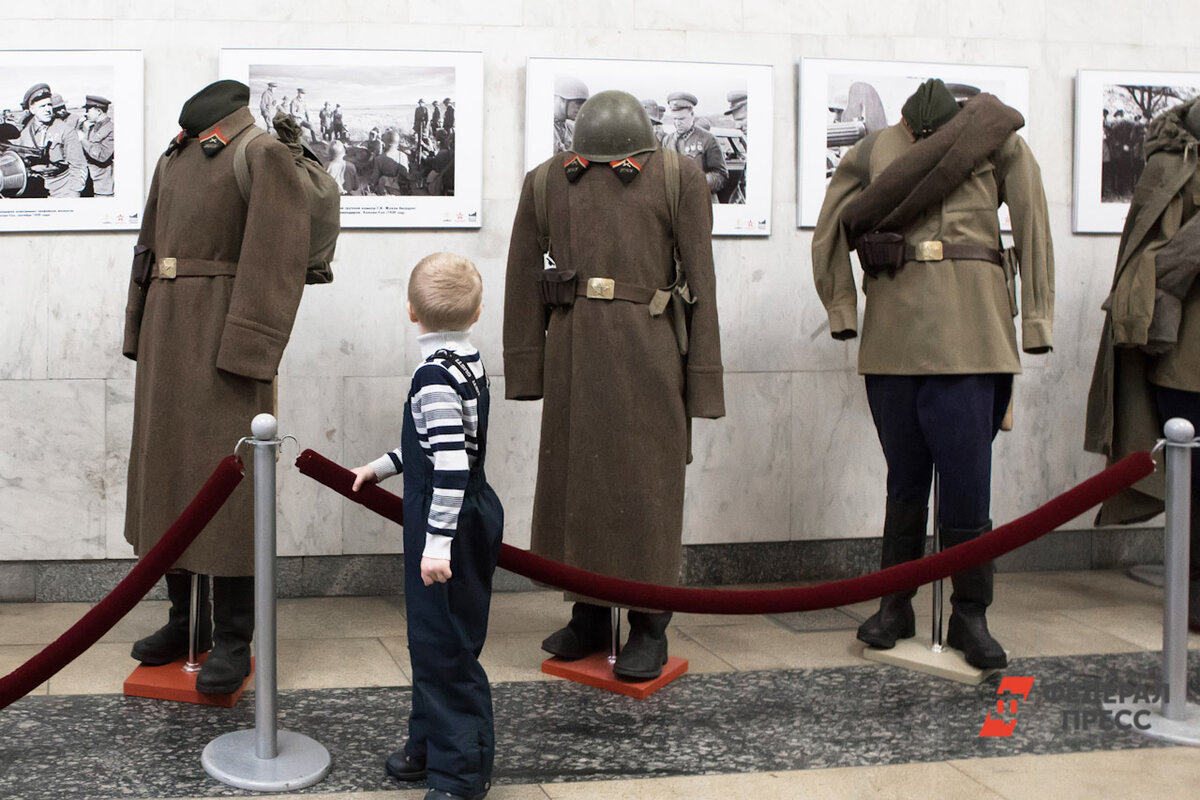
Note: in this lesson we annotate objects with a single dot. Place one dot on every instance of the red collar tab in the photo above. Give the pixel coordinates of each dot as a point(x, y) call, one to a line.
point(575, 166)
point(177, 143)
point(213, 142)
point(627, 169)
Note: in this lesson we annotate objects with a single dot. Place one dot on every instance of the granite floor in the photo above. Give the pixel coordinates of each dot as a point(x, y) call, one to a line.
point(772, 707)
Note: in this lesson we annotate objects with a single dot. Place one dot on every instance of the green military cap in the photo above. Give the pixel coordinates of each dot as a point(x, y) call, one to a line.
point(96, 101)
point(680, 100)
point(35, 94)
point(931, 106)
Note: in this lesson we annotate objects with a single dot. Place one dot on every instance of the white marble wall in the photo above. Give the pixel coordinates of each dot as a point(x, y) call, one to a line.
point(813, 471)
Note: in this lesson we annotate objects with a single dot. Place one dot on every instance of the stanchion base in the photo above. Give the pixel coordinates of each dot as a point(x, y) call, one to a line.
point(596, 671)
point(920, 657)
point(231, 759)
point(1152, 723)
point(1151, 574)
point(170, 682)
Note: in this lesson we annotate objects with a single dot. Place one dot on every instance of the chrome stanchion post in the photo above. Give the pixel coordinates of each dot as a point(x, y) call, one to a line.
point(1179, 433)
point(936, 641)
point(265, 759)
point(193, 663)
point(1175, 719)
point(616, 635)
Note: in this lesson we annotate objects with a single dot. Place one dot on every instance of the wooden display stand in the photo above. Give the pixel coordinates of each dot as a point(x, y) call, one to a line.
point(171, 682)
point(595, 670)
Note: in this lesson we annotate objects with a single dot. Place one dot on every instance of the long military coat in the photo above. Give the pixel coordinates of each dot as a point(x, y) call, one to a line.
point(950, 317)
point(1122, 417)
point(208, 341)
point(618, 396)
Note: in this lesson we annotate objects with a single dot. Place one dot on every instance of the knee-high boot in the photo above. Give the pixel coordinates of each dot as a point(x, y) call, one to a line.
point(968, 629)
point(903, 540)
point(645, 654)
point(171, 640)
point(233, 628)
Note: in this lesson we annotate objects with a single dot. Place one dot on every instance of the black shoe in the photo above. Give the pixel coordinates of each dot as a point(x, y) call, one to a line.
point(645, 654)
point(233, 628)
point(589, 631)
point(437, 794)
point(894, 620)
point(403, 768)
point(170, 642)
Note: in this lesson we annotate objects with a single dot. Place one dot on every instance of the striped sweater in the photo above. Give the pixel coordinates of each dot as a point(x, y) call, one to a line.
point(448, 429)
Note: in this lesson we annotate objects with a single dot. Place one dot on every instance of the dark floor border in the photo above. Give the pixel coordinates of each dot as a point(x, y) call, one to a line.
point(710, 565)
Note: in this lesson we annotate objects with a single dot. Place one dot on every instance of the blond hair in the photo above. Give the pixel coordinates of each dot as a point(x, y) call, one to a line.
point(445, 292)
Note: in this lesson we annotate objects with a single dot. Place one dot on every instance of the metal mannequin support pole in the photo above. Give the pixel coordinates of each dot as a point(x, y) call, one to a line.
point(265, 759)
point(193, 664)
point(616, 635)
point(1176, 720)
point(936, 640)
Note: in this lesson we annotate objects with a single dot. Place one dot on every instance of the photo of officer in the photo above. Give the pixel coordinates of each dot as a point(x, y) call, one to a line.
point(693, 141)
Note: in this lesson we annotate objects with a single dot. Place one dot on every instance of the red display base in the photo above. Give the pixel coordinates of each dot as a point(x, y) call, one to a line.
point(170, 682)
point(596, 671)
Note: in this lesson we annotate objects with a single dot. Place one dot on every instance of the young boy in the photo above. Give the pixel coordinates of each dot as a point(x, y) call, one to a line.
point(452, 528)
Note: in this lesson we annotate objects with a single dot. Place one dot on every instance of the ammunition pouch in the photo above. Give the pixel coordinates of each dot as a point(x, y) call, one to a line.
point(881, 252)
point(143, 265)
point(557, 287)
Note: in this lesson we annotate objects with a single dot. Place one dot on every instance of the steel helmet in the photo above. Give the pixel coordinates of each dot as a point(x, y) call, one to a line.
point(612, 125)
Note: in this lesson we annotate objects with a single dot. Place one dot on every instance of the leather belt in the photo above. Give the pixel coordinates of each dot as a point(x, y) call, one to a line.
point(608, 289)
point(941, 251)
point(171, 268)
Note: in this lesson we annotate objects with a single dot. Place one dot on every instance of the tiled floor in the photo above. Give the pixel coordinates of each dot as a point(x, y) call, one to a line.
point(333, 643)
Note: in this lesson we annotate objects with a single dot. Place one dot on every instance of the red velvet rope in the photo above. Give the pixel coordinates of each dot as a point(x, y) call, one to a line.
point(150, 567)
point(910, 575)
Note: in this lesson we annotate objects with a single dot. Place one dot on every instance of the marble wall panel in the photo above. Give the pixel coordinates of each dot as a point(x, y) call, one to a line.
point(514, 435)
point(52, 453)
point(24, 299)
point(903, 18)
point(838, 472)
point(1104, 21)
point(374, 411)
point(1019, 19)
point(309, 520)
point(740, 479)
point(118, 434)
point(88, 284)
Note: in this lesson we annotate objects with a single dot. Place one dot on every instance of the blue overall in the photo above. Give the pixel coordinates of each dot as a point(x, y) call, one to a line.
point(450, 727)
point(947, 421)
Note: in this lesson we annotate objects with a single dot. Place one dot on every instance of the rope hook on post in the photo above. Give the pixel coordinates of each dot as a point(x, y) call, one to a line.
point(265, 759)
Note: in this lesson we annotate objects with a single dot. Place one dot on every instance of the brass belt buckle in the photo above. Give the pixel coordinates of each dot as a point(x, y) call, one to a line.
point(167, 268)
point(601, 288)
point(929, 251)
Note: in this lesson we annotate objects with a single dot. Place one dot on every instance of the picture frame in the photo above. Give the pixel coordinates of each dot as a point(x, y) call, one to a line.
point(73, 159)
point(736, 101)
point(842, 100)
point(367, 102)
point(1112, 110)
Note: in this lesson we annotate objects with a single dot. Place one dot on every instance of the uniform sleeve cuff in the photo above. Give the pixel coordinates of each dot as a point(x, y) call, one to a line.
point(437, 546)
point(250, 349)
point(843, 322)
point(1037, 335)
point(523, 373)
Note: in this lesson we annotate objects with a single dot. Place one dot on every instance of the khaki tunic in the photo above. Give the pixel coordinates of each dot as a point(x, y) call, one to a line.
point(209, 341)
point(98, 144)
point(943, 317)
point(618, 396)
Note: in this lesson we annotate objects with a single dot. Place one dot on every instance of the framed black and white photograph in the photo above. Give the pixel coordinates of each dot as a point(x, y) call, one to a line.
point(400, 130)
point(843, 100)
point(1112, 110)
point(71, 140)
point(718, 114)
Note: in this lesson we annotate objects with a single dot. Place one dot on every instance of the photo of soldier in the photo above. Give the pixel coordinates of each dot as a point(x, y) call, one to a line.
point(693, 141)
point(64, 172)
point(737, 108)
point(97, 138)
point(380, 154)
point(1126, 111)
point(569, 96)
point(655, 112)
point(268, 104)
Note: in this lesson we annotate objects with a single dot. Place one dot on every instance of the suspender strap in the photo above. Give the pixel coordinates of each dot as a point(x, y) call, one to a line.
point(241, 169)
point(472, 383)
point(539, 205)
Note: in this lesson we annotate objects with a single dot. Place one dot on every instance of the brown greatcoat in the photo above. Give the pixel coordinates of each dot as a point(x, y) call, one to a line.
point(1122, 417)
point(618, 396)
point(208, 342)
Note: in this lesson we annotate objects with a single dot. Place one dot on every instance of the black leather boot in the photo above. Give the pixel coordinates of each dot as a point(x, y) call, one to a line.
point(968, 631)
point(233, 627)
point(171, 640)
point(589, 631)
point(903, 540)
point(645, 653)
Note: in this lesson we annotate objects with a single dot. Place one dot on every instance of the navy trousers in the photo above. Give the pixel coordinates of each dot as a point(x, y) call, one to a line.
point(942, 421)
point(450, 726)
